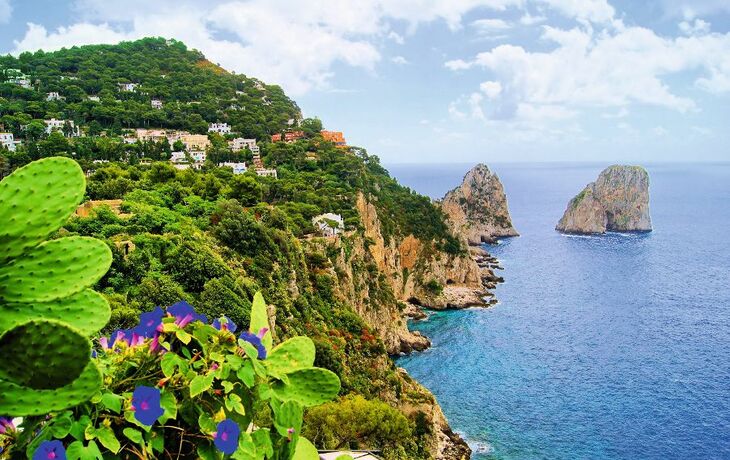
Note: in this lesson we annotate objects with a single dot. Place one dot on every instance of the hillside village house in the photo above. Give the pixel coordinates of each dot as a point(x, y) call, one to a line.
point(7, 141)
point(156, 104)
point(267, 173)
point(191, 141)
point(238, 168)
point(128, 87)
point(154, 135)
point(240, 143)
point(220, 128)
point(329, 224)
point(59, 125)
point(288, 137)
point(54, 96)
point(336, 137)
point(93, 98)
point(16, 77)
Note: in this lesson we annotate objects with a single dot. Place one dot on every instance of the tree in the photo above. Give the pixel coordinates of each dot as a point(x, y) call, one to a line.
point(245, 189)
point(311, 126)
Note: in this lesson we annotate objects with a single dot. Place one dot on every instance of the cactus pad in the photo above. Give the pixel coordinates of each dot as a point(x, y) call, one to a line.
point(24, 401)
point(43, 354)
point(54, 269)
point(88, 311)
point(35, 201)
point(295, 353)
point(309, 387)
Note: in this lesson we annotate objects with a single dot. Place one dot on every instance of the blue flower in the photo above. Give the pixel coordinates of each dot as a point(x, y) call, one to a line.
point(225, 323)
point(146, 404)
point(226, 436)
point(149, 323)
point(6, 424)
point(184, 313)
point(255, 340)
point(50, 450)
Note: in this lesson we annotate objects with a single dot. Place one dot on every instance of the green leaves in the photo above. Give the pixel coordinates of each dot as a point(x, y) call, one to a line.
point(54, 269)
point(112, 402)
point(305, 450)
point(106, 437)
point(35, 201)
point(295, 353)
point(260, 319)
point(309, 387)
point(199, 384)
point(77, 451)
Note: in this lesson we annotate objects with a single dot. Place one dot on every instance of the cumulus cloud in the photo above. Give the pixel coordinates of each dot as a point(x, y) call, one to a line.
point(400, 60)
point(611, 67)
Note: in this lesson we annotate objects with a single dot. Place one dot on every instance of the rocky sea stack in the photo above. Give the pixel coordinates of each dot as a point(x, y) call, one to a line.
point(477, 209)
point(618, 201)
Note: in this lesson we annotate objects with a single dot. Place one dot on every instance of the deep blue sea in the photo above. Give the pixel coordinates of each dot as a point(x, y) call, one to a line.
point(607, 347)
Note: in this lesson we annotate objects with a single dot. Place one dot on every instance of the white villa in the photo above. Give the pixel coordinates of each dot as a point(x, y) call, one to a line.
point(54, 96)
point(240, 143)
point(7, 141)
point(267, 173)
point(238, 168)
point(128, 87)
point(156, 104)
point(329, 224)
point(58, 125)
point(220, 128)
point(93, 98)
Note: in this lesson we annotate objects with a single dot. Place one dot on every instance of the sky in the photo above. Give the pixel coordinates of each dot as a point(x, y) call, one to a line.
point(453, 80)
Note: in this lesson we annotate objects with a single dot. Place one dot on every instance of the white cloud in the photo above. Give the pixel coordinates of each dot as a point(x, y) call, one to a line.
point(6, 11)
point(590, 10)
point(489, 26)
point(698, 27)
point(396, 37)
point(400, 60)
point(529, 20)
point(612, 67)
point(491, 89)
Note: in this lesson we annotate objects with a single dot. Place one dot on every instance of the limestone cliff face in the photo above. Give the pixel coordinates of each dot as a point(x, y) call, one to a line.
point(617, 201)
point(477, 209)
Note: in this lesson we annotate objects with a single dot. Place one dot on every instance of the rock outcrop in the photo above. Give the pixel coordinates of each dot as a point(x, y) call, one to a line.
point(477, 209)
point(618, 201)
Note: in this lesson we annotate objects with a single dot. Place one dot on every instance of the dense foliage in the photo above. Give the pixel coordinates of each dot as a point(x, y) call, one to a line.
point(213, 238)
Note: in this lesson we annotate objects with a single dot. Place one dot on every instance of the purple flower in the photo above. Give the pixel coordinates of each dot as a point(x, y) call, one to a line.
point(255, 340)
point(226, 436)
point(149, 323)
point(50, 450)
point(6, 424)
point(184, 313)
point(146, 404)
point(225, 324)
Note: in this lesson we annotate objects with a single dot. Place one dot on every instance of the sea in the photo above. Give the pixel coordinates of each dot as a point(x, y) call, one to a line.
point(601, 347)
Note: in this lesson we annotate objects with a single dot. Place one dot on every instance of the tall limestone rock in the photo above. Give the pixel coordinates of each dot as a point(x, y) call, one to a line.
point(477, 209)
point(617, 201)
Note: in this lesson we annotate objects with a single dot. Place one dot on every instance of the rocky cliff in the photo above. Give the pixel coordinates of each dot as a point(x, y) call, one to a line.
point(617, 201)
point(477, 209)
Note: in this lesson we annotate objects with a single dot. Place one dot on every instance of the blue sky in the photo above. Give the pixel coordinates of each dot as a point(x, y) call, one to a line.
point(452, 81)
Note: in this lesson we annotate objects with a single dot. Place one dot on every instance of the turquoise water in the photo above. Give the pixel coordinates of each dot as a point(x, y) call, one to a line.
point(613, 347)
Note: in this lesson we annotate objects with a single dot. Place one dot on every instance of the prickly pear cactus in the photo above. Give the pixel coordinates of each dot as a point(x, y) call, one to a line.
point(46, 310)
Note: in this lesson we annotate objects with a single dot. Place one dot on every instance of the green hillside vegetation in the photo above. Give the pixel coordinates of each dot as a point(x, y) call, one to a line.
point(213, 238)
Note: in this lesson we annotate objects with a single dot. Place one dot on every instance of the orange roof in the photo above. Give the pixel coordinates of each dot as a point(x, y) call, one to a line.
point(335, 137)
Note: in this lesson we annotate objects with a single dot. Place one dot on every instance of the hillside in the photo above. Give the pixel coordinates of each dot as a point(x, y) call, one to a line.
point(214, 236)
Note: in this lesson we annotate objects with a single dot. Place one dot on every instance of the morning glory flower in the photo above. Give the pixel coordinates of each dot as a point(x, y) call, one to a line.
point(255, 340)
point(146, 404)
point(6, 424)
point(226, 436)
point(185, 313)
point(225, 323)
point(50, 450)
point(149, 323)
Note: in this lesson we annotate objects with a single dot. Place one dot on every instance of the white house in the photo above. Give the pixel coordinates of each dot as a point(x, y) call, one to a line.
point(7, 141)
point(58, 125)
point(240, 143)
point(129, 87)
point(329, 224)
point(93, 98)
point(267, 173)
point(178, 157)
point(54, 96)
point(220, 128)
point(156, 104)
point(238, 168)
